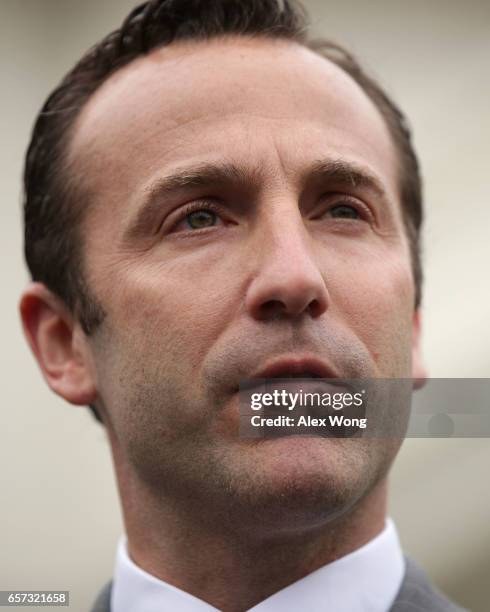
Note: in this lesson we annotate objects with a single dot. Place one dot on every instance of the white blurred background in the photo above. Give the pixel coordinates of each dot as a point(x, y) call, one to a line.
point(60, 516)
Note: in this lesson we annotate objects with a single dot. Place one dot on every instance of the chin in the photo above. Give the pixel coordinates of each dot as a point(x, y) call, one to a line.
point(295, 482)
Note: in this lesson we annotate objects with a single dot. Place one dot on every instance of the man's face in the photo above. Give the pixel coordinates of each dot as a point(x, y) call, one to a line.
point(243, 209)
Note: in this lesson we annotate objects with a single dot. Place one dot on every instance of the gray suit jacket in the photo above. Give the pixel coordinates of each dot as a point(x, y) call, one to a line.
point(416, 594)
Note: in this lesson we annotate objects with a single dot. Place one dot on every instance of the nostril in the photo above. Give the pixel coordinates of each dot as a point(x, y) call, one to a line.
point(280, 295)
point(271, 308)
point(315, 308)
point(277, 308)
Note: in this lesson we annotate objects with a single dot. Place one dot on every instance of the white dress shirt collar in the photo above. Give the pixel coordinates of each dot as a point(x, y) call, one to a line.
point(366, 580)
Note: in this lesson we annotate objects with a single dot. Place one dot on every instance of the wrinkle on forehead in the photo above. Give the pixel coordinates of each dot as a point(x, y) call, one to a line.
point(270, 100)
point(245, 75)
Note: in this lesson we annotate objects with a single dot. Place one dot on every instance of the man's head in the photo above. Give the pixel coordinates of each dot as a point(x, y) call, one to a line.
point(195, 212)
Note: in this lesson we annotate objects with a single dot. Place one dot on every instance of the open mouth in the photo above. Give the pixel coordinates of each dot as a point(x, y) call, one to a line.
point(295, 367)
point(305, 374)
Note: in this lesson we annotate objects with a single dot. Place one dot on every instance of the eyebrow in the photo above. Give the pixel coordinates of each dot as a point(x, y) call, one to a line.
point(337, 172)
point(343, 173)
point(181, 180)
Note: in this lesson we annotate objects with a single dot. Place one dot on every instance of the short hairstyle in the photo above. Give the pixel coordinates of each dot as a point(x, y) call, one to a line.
point(54, 206)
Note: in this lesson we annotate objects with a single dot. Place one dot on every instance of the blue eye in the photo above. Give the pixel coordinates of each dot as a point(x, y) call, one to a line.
point(344, 211)
point(201, 218)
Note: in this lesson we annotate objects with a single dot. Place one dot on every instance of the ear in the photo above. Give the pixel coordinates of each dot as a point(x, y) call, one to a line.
point(419, 372)
point(58, 344)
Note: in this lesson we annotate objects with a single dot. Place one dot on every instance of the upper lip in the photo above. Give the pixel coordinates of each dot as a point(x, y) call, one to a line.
point(296, 366)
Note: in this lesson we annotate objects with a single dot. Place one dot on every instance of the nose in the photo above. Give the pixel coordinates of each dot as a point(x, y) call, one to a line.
point(287, 281)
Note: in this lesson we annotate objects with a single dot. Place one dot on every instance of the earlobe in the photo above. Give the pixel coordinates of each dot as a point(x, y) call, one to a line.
point(419, 371)
point(52, 334)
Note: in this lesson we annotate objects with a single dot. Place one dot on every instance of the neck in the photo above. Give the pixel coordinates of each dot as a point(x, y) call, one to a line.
point(233, 568)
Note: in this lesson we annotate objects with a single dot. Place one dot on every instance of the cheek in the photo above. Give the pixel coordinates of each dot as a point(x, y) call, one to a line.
point(175, 312)
point(376, 301)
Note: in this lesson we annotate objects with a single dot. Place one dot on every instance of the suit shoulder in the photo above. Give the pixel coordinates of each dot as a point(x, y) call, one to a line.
point(418, 594)
point(103, 601)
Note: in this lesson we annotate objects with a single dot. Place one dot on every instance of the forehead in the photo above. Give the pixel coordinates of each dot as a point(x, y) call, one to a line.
point(272, 104)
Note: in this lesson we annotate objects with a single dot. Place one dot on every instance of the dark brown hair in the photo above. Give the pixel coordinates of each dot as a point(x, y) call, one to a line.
point(53, 205)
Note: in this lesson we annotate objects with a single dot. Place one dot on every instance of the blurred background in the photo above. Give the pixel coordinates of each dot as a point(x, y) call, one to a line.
point(59, 516)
